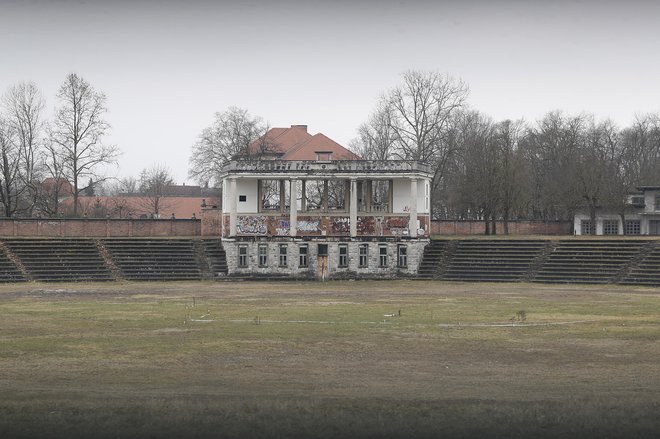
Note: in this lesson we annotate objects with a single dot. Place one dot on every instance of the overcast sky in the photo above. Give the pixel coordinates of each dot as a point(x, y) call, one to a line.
point(167, 67)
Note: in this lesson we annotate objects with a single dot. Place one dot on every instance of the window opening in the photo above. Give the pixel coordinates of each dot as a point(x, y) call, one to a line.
point(283, 255)
point(343, 255)
point(302, 255)
point(402, 257)
point(363, 261)
point(382, 260)
point(242, 256)
point(633, 227)
point(263, 255)
point(314, 191)
point(610, 227)
point(270, 195)
point(337, 194)
point(380, 195)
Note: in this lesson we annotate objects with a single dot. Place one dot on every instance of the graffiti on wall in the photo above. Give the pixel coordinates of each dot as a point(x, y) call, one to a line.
point(396, 225)
point(340, 225)
point(280, 226)
point(252, 225)
point(365, 225)
point(397, 222)
point(309, 226)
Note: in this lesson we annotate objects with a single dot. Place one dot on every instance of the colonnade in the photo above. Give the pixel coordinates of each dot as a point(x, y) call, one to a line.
point(352, 211)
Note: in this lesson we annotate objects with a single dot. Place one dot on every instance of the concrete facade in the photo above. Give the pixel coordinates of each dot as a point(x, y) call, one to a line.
point(323, 267)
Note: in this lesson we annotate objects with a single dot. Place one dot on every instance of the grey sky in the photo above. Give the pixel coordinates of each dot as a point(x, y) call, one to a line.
point(166, 67)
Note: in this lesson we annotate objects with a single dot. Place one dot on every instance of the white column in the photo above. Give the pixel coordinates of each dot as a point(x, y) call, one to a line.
point(352, 209)
point(412, 222)
point(293, 207)
point(232, 206)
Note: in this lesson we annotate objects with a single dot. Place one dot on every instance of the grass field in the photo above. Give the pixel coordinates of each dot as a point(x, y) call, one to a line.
point(336, 359)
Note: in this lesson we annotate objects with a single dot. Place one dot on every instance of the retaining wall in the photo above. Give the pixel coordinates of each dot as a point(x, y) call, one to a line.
point(477, 227)
point(95, 227)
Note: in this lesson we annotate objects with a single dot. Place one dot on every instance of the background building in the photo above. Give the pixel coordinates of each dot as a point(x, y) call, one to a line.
point(641, 216)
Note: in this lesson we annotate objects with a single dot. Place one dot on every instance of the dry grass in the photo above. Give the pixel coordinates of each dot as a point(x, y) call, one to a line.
point(328, 360)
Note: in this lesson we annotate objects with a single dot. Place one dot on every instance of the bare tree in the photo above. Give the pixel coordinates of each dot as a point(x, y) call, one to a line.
point(126, 186)
point(414, 121)
point(512, 175)
point(480, 181)
point(77, 133)
point(641, 143)
point(24, 107)
point(10, 188)
point(229, 136)
point(376, 138)
point(422, 108)
point(153, 182)
point(551, 149)
point(56, 186)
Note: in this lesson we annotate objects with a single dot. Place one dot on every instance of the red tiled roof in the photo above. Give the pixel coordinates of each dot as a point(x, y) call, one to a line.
point(280, 140)
point(319, 143)
point(295, 143)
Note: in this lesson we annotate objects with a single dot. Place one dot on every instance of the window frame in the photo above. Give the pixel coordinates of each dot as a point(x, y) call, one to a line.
point(610, 227)
point(382, 256)
point(586, 226)
point(402, 257)
point(343, 257)
point(632, 227)
point(283, 255)
point(363, 256)
point(243, 256)
point(263, 255)
point(303, 257)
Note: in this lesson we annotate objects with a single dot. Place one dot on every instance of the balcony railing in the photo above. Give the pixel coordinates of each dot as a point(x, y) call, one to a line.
point(331, 166)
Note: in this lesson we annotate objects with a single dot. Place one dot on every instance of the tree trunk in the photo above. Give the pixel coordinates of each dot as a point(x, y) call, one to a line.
point(592, 218)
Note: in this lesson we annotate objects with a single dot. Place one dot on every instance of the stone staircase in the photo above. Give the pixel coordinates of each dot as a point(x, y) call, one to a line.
point(213, 258)
point(647, 270)
point(486, 260)
point(60, 260)
point(9, 271)
point(154, 259)
point(588, 261)
point(431, 264)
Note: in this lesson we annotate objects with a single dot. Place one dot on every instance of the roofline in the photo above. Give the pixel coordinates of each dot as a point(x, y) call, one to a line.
point(347, 168)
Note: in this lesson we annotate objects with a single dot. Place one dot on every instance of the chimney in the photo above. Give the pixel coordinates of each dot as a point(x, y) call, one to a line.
point(303, 127)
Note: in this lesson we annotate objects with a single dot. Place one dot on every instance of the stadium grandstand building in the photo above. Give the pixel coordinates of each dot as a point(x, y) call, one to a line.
point(303, 205)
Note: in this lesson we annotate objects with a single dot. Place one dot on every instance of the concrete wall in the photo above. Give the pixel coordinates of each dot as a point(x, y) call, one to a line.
point(467, 227)
point(401, 196)
point(415, 250)
point(99, 227)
